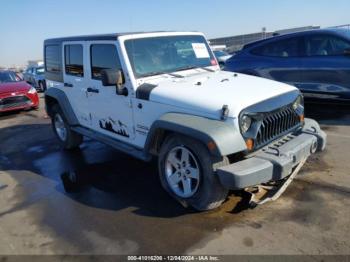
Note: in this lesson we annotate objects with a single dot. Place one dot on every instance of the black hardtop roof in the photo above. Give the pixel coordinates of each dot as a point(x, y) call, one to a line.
point(113, 36)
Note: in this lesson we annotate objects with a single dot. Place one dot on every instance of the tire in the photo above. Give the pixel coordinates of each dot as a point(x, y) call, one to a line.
point(206, 192)
point(42, 86)
point(68, 139)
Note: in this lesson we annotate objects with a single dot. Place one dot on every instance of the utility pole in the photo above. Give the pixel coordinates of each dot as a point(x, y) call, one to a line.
point(263, 32)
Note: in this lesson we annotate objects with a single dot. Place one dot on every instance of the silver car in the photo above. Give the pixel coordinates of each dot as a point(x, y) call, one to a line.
point(36, 77)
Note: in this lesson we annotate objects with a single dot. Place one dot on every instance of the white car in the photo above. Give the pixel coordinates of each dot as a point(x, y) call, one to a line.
point(163, 94)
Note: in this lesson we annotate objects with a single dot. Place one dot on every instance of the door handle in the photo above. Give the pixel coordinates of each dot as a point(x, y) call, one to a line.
point(68, 84)
point(92, 90)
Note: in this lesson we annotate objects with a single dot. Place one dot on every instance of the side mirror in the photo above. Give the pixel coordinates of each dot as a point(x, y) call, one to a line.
point(347, 52)
point(111, 77)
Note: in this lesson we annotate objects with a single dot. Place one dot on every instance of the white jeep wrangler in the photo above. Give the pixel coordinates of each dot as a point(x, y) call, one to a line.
point(163, 94)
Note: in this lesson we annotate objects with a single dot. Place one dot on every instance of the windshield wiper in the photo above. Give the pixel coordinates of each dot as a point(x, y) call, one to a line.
point(195, 67)
point(152, 74)
point(180, 69)
point(161, 73)
point(175, 75)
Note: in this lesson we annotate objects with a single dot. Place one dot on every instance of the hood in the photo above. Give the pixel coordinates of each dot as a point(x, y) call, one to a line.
point(207, 93)
point(14, 87)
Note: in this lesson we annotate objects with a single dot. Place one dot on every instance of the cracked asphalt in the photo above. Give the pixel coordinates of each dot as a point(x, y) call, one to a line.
point(122, 208)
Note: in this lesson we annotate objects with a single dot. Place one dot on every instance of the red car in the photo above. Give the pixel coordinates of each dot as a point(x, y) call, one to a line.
point(16, 94)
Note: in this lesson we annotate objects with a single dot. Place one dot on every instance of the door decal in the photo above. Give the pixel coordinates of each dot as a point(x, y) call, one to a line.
point(116, 127)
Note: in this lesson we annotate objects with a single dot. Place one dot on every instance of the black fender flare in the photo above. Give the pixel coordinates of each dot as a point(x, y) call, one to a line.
point(226, 137)
point(62, 100)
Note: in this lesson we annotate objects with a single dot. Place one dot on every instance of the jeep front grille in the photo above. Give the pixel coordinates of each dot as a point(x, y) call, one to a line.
point(276, 124)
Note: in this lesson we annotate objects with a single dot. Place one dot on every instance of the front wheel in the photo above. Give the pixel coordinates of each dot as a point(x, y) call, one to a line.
point(187, 173)
point(67, 138)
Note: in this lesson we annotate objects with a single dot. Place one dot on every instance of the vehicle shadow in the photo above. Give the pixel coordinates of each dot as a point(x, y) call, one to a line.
point(9, 114)
point(15, 113)
point(328, 114)
point(108, 179)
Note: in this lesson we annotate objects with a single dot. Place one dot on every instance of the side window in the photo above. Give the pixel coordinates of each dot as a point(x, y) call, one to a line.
point(325, 45)
point(52, 59)
point(73, 57)
point(103, 56)
point(283, 48)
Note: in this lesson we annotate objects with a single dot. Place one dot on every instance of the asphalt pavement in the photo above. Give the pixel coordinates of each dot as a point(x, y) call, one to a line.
point(122, 209)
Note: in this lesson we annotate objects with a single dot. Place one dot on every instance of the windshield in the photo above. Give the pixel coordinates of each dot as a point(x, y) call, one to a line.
point(159, 55)
point(40, 71)
point(6, 77)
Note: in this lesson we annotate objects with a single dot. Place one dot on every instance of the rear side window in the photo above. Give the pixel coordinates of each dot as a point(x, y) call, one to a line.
point(103, 56)
point(52, 59)
point(283, 48)
point(74, 60)
point(325, 45)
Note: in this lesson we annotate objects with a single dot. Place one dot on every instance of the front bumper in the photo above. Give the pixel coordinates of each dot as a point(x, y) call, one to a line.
point(18, 102)
point(275, 161)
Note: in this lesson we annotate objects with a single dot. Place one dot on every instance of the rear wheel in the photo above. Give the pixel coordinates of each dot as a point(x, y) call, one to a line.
point(67, 138)
point(187, 172)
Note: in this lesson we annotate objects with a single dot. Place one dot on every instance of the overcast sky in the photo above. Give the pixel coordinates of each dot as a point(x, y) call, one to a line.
point(24, 24)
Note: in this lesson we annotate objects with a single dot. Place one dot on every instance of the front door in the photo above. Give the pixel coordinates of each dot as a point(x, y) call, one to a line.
point(111, 113)
point(75, 80)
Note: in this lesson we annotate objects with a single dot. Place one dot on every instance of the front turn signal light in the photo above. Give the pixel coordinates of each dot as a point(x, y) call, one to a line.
point(302, 118)
point(250, 144)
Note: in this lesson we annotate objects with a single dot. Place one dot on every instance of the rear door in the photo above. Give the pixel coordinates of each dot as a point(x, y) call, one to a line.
point(75, 79)
point(326, 70)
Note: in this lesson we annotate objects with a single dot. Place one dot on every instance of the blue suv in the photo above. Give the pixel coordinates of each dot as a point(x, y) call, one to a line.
point(317, 62)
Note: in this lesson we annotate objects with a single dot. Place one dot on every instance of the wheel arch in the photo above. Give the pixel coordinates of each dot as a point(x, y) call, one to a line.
point(55, 96)
point(220, 138)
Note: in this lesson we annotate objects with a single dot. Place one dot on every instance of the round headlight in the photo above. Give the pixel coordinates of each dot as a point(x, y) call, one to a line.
point(246, 122)
point(297, 103)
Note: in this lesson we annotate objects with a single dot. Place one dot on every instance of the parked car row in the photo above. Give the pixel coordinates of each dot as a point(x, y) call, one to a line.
point(317, 62)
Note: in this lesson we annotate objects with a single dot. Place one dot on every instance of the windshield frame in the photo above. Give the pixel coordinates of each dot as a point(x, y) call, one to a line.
point(129, 63)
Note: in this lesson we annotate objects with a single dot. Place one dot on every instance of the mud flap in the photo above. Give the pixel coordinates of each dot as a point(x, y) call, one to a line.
point(264, 193)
